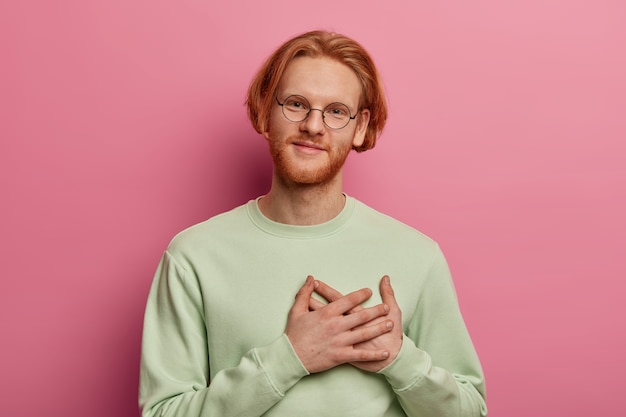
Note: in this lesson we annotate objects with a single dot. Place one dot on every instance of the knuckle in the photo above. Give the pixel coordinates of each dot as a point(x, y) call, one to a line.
point(363, 355)
point(367, 334)
point(325, 313)
point(362, 316)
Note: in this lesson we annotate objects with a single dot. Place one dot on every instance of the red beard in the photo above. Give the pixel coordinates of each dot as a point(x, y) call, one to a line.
point(289, 170)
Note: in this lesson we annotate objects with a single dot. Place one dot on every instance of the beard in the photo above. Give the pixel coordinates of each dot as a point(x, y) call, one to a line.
point(289, 170)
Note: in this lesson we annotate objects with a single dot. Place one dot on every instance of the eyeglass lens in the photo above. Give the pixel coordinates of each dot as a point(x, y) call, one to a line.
point(297, 108)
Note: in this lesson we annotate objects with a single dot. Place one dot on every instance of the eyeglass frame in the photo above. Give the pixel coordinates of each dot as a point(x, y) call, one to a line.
point(308, 113)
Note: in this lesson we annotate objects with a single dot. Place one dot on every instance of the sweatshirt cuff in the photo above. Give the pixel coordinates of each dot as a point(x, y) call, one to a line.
point(280, 364)
point(408, 367)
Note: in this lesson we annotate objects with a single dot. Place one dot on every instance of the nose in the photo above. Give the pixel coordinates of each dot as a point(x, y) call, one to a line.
point(314, 123)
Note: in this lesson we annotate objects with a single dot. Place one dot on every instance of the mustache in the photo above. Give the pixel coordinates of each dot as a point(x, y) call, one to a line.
point(302, 138)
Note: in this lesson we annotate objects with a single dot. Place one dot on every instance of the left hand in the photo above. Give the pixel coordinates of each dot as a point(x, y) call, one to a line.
point(391, 341)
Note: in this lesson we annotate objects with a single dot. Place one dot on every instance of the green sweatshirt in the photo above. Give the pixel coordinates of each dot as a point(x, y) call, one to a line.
point(214, 342)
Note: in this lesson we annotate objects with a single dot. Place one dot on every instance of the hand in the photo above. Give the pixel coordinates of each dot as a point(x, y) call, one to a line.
point(390, 341)
point(328, 337)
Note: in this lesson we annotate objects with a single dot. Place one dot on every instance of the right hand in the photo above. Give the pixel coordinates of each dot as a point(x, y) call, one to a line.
point(328, 337)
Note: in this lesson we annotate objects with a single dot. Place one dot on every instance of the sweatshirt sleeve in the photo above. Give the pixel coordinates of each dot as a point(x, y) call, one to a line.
point(437, 372)
point(174, 375)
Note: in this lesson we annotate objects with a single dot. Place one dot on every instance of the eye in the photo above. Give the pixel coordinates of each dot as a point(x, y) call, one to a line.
point(296, 104)
point(337, 110)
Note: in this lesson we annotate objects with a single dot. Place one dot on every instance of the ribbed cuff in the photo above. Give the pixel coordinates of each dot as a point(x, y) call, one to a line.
point(408, 367)
point(281, 364)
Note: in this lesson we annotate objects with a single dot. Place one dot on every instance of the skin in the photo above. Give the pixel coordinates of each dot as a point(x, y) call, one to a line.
point(390, 341)
point(306, 190)
point(338, 332)
point(308, 156)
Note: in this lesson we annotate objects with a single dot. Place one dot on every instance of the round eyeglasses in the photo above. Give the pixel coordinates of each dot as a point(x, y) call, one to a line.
point(297, 108)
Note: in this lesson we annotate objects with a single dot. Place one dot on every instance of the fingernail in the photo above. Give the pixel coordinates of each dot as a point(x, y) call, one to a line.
point(317, 284)
point(386, 307)
point(386, 280)
point(385, 355)
point(389, 325)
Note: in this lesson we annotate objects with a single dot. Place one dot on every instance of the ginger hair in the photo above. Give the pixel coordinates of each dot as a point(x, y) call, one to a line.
point(317, 44)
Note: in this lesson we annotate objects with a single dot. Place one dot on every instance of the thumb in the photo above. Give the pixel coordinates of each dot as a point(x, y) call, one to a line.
point(386, 291)
point(304, 295)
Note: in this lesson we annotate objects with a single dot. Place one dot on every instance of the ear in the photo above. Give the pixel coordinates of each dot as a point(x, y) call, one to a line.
point(362, 120)
point(266, 131)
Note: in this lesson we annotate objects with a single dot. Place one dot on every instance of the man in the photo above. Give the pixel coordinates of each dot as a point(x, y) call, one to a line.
point(223, 335)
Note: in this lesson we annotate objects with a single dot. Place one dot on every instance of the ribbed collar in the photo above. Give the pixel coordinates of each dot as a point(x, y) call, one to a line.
point(299, 232)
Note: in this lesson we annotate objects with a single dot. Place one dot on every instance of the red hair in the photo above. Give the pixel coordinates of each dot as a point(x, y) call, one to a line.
point(314, 45)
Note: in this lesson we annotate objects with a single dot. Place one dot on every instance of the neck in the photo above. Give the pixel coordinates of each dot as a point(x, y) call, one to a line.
point(303, 204)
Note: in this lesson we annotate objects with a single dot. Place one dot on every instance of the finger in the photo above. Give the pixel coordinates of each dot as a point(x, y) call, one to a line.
point(386, 291)
point(348, 302)
point(331, 294)
point(366, 355)
point(304, 294)
point(365, 333)
point(328, 292)
point(365, 316)
point(315, 304)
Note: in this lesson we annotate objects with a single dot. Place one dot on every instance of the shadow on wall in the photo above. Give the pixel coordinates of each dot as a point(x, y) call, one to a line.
point(240, 169)
point(226, 168)
point(256, 167)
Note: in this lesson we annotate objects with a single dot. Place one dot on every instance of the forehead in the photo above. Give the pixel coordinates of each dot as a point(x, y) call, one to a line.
point(321, 79)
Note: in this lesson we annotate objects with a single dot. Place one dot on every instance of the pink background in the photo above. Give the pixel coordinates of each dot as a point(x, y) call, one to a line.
point(122, 122)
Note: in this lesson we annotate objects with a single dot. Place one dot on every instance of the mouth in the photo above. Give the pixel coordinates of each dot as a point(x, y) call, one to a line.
point(308, 146)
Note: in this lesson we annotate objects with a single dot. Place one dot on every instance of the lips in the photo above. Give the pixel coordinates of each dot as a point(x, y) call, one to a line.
point(308, 145)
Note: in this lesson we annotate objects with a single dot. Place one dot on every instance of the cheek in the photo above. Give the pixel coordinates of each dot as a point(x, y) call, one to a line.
point(349, 139)
point(274, 126)
point(270, 129)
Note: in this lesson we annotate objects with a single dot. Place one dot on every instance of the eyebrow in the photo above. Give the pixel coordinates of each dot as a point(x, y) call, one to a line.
point(288, 94)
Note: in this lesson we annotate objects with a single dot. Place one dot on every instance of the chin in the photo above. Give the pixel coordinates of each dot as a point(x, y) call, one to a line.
point(307, 177)
point(292, 171)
